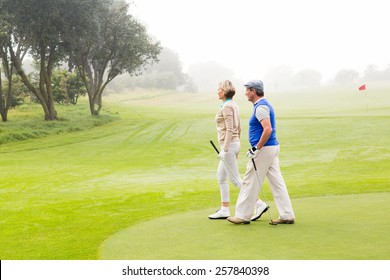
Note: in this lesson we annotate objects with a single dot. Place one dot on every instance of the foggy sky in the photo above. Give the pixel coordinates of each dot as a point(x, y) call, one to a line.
point(250, 36)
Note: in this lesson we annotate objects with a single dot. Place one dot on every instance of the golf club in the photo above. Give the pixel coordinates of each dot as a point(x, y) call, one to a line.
point(258, 179)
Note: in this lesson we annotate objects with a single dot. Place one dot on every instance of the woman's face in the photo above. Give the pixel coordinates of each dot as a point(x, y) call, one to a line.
point(221, 94)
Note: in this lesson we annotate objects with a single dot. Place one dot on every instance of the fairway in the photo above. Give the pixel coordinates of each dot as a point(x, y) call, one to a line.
point(145, 168)
point(329, 227)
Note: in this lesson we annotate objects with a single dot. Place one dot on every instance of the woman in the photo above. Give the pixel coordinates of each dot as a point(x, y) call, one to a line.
point(229, 131)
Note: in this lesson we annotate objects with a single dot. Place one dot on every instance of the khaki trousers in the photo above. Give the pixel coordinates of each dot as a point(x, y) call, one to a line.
point(267, 163)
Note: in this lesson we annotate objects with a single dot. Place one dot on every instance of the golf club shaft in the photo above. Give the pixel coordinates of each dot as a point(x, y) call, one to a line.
point(215, 148)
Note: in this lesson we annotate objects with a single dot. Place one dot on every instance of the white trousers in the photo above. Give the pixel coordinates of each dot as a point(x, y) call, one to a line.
point(267, 163)
point(231, 171)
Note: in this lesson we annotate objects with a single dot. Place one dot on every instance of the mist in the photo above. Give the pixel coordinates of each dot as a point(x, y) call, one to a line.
point(255, 39)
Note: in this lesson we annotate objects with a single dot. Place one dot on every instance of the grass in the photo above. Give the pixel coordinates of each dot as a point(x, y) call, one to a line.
point(309, 238)
point(80, 180)
point(26, 122)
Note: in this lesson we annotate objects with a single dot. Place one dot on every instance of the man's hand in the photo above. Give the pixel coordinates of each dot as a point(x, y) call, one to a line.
point(252, 152)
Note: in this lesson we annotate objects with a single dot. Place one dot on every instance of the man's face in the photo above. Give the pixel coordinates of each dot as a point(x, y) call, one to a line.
point(250, 94)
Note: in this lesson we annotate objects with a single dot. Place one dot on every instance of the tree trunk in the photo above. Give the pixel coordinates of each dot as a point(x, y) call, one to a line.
point(5, 99)
point(4, 103)
point(95, 104)
point(3, 116)
point(92, 107)
point(47, 96)
point(92, 85)
point(45, 82)
point(44, 94)
point(3, 106)
point(2, 111)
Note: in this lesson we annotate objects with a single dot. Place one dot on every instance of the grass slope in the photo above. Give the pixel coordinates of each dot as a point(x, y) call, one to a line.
point(62, 195)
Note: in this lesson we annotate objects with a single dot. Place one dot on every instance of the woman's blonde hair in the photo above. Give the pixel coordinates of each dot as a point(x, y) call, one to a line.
point(227, 88)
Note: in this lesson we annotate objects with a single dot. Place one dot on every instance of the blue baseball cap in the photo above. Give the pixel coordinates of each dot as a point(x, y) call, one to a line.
point(257, 84)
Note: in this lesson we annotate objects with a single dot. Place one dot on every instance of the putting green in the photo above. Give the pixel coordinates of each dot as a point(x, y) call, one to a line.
point(331, 227)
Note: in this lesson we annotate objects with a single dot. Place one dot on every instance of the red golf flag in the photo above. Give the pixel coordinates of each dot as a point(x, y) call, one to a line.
point(363, 87)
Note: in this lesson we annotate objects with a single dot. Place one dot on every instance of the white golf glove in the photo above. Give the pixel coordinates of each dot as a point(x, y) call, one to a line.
point(252, 152)
point(222, 155)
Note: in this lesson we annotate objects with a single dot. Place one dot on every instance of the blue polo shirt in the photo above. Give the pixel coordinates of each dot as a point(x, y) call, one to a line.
point(256, 129)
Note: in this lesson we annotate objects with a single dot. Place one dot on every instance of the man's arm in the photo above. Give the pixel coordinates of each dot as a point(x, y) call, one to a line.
point(267, 131)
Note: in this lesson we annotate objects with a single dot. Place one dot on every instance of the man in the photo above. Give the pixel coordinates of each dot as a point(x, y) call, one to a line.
point(264, 151)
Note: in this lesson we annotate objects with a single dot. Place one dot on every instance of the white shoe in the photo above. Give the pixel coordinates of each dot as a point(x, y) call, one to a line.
point(259, 210)
point(220, 214)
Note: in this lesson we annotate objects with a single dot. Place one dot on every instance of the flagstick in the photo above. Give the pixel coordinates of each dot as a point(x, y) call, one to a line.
point(366, 101)
point(363, 87)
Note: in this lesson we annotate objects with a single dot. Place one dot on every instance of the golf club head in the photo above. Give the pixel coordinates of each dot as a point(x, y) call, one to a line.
point(273, 223)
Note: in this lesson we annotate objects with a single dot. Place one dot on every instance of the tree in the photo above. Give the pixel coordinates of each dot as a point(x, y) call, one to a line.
point(169, 65)
point(10, 47)
point(346, 76)
point(19, 92)
point(5, 94)
point(206, 76)
point(40, 27)
point(102, 40)
point(370, 73)
point(307, 78)
point(67, 86)
point(373, 74)
point(75, 87)
point(166, 74)
point(106, 44)
point(279, 77)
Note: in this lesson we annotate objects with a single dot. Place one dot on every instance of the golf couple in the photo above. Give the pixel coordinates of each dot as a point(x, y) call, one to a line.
point(263, 158)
